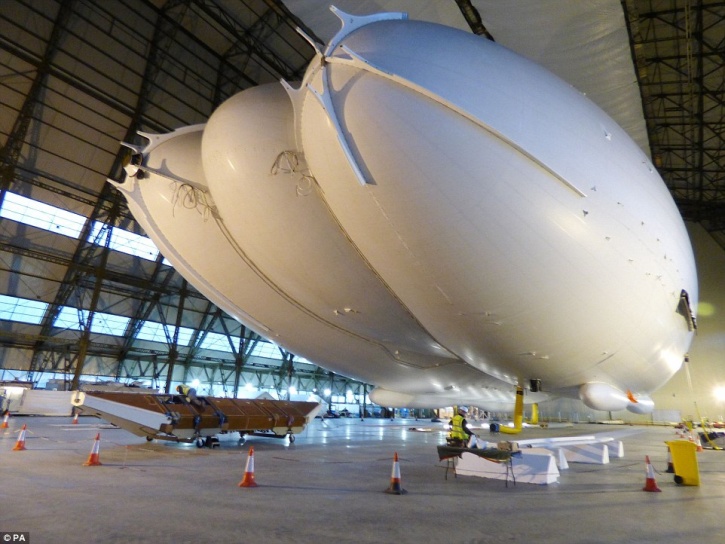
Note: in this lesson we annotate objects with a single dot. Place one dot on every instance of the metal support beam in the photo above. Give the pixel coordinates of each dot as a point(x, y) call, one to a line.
point(10, 152)
point(678, 53)
point(473, 18)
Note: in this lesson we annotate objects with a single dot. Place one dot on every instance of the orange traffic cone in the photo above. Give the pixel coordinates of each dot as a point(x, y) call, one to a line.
point(699, 444)
point(94, 457)
point(670, 466)
point(395, 487)
point(5, 421)
point(20, 444)
point(248, 480)
point(75, 419)
point(650, 483)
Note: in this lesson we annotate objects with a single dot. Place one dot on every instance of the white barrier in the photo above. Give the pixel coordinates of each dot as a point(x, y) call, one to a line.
point(38, 402)
point(531, 466)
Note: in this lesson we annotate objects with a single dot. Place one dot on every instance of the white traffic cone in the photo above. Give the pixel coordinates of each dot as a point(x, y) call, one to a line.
point(248, 480)
point(94, 458)
point(395, 486)
point(650, 483)
point(20, 444)
point(670, 466)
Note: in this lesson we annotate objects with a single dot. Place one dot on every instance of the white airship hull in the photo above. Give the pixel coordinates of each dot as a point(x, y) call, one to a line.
point(430, 213)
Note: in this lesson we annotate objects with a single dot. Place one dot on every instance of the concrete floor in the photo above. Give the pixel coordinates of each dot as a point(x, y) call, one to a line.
point(328, 487)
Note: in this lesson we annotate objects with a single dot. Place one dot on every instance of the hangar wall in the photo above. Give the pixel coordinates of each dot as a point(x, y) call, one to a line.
point(707, 354)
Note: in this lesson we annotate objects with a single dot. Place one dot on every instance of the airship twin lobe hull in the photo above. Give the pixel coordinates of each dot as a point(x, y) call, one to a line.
point(537, 196)
point(433, 214)
point(185, 222)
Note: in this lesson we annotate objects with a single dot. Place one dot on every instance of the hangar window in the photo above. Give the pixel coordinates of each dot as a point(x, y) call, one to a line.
point(124, 241)
point(74, 319)
point(22, 309)
point(267, 350)
point(158, 332)
point(70, 318)
point(218, 342)
point(270, 350)
point(43, 216)
point(53, 219)
point(114, 325)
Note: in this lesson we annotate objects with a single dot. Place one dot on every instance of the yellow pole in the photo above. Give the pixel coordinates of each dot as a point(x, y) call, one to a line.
point(518, 414)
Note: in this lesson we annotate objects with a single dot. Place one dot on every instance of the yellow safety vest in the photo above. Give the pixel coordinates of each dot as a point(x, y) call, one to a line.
point(457, 430)
point(185, 389)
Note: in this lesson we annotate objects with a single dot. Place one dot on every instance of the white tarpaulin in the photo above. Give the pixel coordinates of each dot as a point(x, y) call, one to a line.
point(38, 402)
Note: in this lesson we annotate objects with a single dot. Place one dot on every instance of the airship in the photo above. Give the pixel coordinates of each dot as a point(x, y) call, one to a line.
point(433, 214)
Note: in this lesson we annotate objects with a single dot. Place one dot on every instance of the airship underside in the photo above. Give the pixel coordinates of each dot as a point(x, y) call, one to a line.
point(433, 214)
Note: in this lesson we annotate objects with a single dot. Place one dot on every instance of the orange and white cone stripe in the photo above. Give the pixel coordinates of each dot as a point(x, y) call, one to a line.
point(20, 444)
point(94, 459)
point(395, 486)
point(248, 480)
point(5, 421)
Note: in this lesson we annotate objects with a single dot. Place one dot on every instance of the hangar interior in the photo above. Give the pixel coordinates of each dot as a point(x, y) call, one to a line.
point(85, 296)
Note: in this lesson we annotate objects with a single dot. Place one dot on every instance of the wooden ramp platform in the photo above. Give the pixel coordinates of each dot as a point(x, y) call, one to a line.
point(172, 417)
